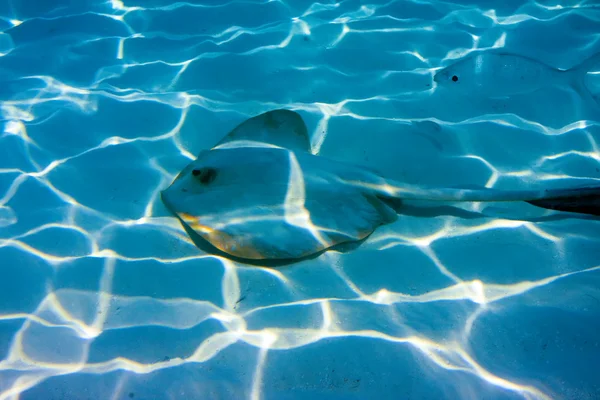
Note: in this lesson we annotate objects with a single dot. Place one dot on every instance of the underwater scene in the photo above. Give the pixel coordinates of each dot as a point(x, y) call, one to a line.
point(288, 199)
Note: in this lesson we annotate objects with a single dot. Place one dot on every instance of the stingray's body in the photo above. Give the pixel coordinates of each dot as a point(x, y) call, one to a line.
point(273, 203)
point(260, 194)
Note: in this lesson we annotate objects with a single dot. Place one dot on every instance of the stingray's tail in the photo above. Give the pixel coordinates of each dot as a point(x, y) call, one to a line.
point(584, 200)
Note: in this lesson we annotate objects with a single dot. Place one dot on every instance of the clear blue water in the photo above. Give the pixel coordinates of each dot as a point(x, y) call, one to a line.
point(103, 296)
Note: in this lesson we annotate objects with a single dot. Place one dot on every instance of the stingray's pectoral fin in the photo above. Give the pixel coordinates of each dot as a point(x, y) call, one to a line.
point(282, 128)
point(582, 201)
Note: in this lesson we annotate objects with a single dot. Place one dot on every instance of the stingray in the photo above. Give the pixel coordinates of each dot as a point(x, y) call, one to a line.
point(260, 194)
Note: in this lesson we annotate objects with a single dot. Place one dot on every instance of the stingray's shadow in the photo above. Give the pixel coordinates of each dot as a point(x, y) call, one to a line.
point(404, 209)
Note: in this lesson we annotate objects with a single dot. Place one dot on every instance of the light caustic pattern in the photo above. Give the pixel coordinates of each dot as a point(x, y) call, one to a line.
point(102, 294)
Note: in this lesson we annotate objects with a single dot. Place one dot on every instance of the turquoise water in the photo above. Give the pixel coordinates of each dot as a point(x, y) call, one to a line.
point(104, 296)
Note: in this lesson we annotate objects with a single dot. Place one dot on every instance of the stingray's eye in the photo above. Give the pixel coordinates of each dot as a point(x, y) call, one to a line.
point(205, 175)
point(454, 78)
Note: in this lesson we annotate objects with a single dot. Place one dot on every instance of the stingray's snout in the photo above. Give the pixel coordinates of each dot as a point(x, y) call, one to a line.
point(165, 196)
point(440, 76)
